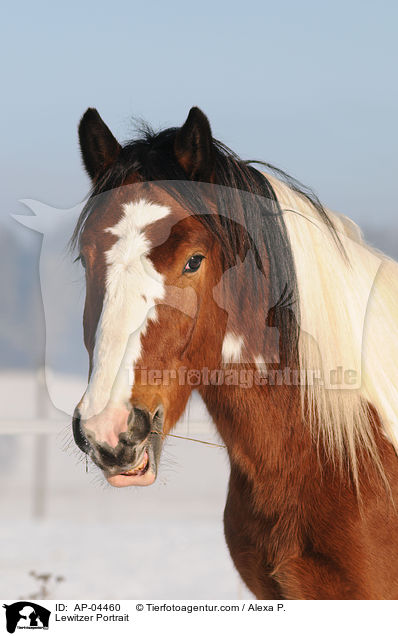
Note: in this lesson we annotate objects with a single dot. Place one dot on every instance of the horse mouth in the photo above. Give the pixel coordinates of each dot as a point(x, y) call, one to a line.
point(140, 469)
point(144, 472)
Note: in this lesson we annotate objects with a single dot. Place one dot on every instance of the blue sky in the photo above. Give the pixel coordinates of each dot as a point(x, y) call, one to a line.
point(309, 86)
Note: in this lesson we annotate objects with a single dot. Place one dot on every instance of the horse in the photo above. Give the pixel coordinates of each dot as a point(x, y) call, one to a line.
point(202, 269)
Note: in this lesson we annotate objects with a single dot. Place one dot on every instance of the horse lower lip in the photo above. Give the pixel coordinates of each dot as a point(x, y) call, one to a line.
point(145, 477)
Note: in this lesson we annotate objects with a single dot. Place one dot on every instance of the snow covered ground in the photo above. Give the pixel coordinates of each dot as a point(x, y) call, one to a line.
point(165, 541)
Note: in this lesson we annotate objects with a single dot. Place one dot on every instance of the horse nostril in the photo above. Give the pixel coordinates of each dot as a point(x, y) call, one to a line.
point(139, 424)
point(78, 435)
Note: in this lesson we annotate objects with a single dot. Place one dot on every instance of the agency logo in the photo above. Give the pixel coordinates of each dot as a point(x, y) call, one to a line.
point(26, 615)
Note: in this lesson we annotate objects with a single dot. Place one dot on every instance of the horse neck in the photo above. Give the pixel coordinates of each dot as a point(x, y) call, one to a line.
point(268, 442)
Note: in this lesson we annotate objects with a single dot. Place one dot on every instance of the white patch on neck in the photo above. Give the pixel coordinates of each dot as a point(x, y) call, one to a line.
point(232, 347)
point(132, 288)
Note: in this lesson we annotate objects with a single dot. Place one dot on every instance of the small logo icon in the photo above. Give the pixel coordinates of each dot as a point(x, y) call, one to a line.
point(26, 615)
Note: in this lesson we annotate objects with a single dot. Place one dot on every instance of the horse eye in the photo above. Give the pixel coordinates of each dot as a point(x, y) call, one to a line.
point(81, 259)
point(193, 264)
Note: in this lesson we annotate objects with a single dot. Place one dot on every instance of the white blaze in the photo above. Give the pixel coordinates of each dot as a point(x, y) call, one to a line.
point(132, 288)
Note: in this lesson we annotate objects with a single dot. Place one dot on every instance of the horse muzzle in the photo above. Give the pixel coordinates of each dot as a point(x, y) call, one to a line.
point(128, 457)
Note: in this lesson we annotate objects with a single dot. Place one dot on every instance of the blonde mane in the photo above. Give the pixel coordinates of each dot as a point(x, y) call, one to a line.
point(348, 331)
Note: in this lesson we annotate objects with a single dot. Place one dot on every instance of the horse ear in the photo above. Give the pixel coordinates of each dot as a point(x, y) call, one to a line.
point(193, 146)
point(98, 146)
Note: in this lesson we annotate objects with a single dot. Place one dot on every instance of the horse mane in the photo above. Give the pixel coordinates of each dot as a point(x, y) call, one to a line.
point(349, 321)
point(343, 294)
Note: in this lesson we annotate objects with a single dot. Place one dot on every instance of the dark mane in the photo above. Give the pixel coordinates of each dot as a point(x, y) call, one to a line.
point(257, 221)
point(152, 157)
